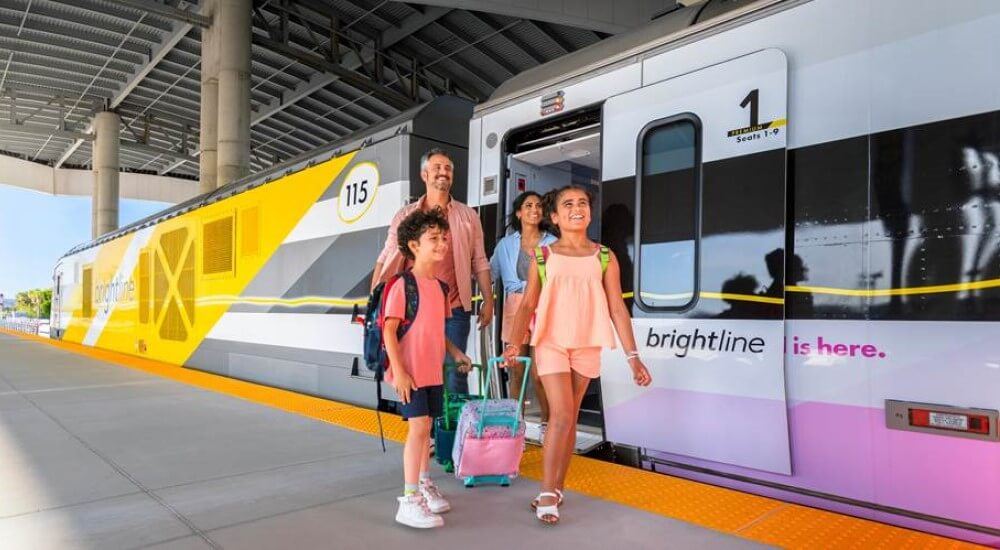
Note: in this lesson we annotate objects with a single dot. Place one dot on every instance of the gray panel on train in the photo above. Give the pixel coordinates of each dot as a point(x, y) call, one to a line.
point(321, 373)
point(292, 375)
point(282, 269)
point(337, 271)
point(388, 155)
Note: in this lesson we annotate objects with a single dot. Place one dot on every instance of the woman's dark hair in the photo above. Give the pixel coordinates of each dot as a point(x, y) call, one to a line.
point(514, 222)
point(415, 225)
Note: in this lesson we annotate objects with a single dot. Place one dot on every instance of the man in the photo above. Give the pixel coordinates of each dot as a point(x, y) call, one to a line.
point(467, 258)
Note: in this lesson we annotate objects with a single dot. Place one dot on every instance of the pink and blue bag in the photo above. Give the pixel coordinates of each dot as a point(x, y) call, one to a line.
point(489, 441)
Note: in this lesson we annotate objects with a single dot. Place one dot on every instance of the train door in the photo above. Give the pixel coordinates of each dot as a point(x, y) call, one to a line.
point(56, 305)
point(540, 158)
point(693, 200)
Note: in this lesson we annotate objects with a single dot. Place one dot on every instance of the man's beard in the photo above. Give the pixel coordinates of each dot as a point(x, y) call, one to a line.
point(444, 186)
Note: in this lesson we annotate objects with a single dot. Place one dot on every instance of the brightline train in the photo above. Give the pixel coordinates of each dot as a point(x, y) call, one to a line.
point(803, 195)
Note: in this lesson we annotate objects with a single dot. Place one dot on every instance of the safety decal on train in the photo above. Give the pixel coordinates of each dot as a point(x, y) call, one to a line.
point(755, 129)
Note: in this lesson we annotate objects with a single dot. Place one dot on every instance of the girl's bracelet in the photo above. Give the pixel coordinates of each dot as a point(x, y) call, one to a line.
point(631, 355)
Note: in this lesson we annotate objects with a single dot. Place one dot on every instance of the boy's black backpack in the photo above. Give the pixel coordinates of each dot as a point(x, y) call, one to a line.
point(376, 358)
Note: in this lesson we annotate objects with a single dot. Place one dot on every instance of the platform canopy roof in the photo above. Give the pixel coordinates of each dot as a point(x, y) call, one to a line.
point(321, 69)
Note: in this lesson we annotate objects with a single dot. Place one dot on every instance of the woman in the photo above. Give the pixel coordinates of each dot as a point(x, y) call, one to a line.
point(578, 308)
point(509, 264)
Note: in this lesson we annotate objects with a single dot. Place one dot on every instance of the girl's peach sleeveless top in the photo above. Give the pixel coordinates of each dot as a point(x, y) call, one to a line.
point(573, 307)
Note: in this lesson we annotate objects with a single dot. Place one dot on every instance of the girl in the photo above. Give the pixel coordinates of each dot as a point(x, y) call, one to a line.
point(575, 310)
point(510, 263)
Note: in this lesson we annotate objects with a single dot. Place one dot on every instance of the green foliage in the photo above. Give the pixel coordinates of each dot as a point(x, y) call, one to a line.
point(36, 302)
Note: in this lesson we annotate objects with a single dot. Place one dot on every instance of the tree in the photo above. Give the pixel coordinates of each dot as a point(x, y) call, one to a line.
point(34, 303)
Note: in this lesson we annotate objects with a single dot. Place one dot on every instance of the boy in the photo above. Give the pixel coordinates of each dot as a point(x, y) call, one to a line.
point(415, 363)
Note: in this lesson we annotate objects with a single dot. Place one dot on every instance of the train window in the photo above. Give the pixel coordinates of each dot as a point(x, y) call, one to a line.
point(668, 192)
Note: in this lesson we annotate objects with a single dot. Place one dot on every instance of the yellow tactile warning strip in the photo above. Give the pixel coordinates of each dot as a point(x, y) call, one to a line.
point(744, 515)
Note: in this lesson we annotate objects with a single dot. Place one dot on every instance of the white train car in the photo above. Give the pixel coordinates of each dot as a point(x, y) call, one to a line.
point(804, 196)
point(260, 279)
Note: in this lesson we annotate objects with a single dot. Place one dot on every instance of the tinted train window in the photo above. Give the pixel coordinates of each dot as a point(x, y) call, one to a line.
point(668, 215)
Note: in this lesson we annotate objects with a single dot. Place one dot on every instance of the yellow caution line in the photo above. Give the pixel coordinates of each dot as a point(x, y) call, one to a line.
point(290, 302)
point(869, 293)
point(712, 295)
point(745, 515)
point(743, 297)
point(904, 291)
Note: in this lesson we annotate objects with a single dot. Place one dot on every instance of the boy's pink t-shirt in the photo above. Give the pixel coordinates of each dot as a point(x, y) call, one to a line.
point(423, 346)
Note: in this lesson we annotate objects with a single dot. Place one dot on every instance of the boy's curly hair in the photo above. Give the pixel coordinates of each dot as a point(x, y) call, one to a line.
point(415, 225)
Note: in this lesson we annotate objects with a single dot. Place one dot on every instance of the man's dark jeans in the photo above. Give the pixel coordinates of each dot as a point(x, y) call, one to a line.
point(457, 330)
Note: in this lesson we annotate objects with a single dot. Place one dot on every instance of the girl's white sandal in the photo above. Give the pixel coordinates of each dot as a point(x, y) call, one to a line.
point(534, 501)
point(551, 511)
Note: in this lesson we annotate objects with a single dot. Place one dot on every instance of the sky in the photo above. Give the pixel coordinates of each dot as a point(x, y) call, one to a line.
point(36, 229)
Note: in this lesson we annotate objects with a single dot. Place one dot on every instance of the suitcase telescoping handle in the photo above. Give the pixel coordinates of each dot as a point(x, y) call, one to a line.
point(491, 370)
point(486, 349)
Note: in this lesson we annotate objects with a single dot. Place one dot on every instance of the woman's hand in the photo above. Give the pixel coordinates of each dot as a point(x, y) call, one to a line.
point(640, 374)
point(403, 384)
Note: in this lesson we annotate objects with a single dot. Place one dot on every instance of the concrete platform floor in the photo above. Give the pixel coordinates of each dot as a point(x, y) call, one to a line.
point(94, 455)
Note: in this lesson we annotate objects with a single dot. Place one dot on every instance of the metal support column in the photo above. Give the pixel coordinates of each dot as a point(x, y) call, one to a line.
point(209, 136)
point(104, 218)
point(233, 22)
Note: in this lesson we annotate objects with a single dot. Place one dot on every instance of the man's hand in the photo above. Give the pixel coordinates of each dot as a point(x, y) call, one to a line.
point(463, 363)
point(403, 384)
point(486, 312)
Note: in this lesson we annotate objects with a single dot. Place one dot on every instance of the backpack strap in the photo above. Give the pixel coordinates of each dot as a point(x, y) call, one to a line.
point(412, 295)
point(444, 290)
point(605, 256)
point(541, 255)
point(377, 300)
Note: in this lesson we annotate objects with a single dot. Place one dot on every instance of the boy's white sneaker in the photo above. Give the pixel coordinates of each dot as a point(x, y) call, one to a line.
point(432, 495)
point(413, 512)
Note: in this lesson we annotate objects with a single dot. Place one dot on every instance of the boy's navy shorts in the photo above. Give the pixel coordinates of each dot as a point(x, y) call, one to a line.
point(425, 401)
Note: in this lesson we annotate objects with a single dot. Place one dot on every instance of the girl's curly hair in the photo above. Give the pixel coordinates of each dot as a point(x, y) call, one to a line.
point(415, 225)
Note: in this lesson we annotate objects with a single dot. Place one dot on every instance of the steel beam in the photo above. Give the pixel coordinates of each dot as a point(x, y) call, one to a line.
point(154, 150)
point(350, 61)
point(158, 54)
point(45, 132)
point(610, 25)
point(169, 12)
point(320, 63)
point(137, 76)
point(171, 167)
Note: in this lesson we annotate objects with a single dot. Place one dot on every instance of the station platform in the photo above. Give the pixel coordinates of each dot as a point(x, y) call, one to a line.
point(103, 450)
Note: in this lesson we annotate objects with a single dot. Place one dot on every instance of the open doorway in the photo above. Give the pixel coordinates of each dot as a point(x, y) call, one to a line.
point(541, 158)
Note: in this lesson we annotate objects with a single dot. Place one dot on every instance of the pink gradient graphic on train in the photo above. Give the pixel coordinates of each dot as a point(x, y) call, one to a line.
point(838, 449)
